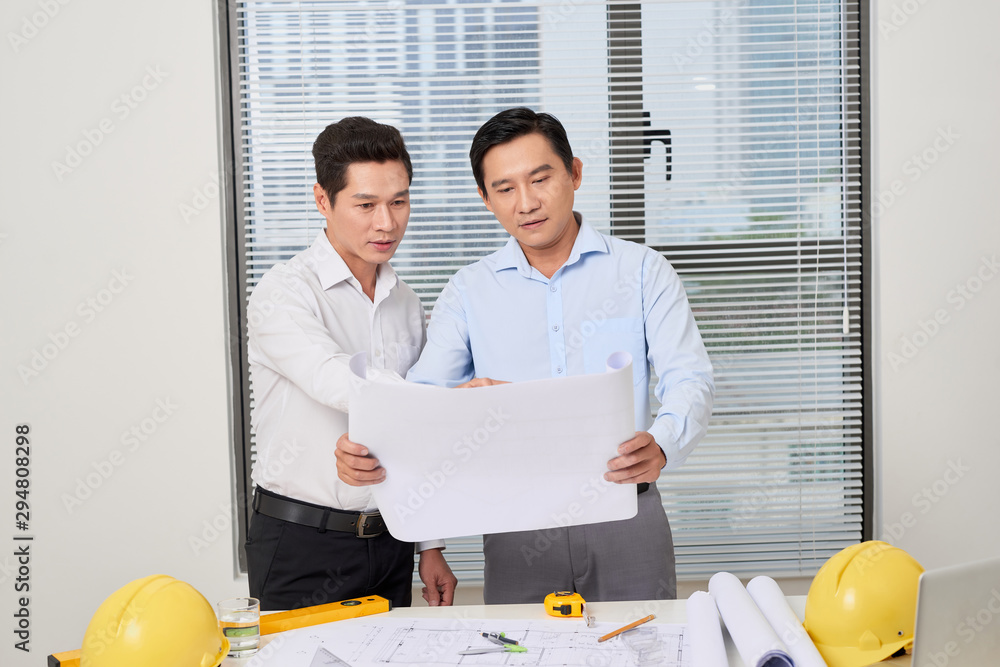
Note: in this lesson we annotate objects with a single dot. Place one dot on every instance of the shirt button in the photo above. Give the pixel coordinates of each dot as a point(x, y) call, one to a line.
point(552, 288)
point(378, 353)
point(559, 370)
point(555, 327)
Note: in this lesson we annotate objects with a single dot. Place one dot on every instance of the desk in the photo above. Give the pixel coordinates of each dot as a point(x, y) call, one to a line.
point(667, 611)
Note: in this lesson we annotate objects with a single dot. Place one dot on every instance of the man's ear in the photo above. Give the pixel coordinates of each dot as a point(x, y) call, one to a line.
point(577, 172)
point(486, 200)
point(322, 201)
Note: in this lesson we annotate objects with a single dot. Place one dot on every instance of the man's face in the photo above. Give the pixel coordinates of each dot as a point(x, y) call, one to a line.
point(530, 191)
point(367, 220)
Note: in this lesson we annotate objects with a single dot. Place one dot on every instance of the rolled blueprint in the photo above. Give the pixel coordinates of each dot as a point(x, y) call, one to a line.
point(756, 642)
point(705, 634)
point(772, 603)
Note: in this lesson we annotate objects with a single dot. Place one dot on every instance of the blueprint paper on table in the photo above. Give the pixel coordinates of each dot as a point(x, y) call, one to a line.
point(405, 641)
point(521, 456)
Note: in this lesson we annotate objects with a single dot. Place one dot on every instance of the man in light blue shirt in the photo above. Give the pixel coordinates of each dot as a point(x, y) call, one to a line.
point(557, 300)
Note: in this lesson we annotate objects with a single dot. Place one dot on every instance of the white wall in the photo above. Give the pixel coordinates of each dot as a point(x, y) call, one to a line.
point(937, 397)
point(162, 337)
point(159, 336)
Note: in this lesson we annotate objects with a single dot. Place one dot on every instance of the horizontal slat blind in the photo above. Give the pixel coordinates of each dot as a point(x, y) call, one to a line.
point(756, 204)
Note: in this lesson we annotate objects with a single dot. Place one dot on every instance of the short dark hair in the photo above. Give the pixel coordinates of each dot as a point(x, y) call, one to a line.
point(355, 139)
point(511, 124)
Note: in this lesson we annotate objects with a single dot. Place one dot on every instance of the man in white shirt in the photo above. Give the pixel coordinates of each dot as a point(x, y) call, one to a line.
point(313, 539)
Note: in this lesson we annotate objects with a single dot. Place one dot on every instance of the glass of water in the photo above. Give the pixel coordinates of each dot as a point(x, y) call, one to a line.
point(239, 619)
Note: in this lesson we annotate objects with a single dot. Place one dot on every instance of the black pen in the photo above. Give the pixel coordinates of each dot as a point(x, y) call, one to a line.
point(499, 638)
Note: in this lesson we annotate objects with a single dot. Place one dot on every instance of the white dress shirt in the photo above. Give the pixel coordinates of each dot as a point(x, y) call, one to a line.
point(306, 319)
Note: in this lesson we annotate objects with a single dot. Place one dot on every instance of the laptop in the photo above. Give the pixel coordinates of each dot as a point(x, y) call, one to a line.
point(958, 616)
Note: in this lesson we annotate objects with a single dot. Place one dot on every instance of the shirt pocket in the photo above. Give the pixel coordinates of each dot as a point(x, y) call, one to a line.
point(615, 334)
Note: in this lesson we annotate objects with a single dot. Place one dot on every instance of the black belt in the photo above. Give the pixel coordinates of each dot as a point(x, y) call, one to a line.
point(362, 524)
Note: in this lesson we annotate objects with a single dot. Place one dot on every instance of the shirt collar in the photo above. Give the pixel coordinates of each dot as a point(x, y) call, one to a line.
point(331, 268)
point(587, 240)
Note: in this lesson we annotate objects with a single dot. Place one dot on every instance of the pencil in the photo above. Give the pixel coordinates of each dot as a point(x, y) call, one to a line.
point(631, 625)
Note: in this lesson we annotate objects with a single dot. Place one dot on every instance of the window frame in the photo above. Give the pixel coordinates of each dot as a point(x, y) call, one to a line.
point(733, 259)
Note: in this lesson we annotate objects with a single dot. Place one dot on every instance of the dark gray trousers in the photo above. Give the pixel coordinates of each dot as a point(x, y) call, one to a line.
point(615, 560)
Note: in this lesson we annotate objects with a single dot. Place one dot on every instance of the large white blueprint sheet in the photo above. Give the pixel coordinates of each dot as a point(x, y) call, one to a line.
point(406, 641)
point(520, 456)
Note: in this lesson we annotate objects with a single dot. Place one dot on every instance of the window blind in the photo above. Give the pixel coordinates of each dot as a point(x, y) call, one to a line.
point(725, 134)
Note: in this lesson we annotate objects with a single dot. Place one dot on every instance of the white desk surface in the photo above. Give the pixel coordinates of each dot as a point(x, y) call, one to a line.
point(667, 611)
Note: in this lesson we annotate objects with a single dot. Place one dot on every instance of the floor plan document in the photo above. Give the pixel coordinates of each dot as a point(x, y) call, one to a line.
point(402, 641)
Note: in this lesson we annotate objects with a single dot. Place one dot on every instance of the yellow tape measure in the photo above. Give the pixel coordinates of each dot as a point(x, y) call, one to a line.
point(564, 603)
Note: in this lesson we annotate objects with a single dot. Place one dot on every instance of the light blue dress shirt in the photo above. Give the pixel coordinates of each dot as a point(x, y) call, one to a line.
point(501, 318)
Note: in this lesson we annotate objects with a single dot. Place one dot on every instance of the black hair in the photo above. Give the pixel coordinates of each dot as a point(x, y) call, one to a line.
point(511, 124)
point(355, 139)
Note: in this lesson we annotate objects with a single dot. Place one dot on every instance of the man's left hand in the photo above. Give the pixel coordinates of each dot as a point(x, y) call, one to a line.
point(439, 582)
point(639, 460)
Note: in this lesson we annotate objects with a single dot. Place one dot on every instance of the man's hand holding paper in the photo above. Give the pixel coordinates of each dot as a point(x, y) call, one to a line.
point(355, 466)
point(640, 460)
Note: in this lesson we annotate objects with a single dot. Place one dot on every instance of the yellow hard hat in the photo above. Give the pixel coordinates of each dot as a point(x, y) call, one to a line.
point(156, 621)
point(862, 604)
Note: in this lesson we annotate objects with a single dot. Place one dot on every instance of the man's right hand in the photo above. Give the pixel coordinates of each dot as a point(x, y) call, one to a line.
point(355, 466)
point(481, 382)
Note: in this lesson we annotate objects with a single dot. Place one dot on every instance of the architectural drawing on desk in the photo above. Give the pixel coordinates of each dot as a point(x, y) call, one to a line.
point(324, 658)
point(661, 645)
point(424, 641)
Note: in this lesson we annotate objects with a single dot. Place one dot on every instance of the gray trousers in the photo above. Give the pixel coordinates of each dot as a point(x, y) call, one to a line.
point(615, 560)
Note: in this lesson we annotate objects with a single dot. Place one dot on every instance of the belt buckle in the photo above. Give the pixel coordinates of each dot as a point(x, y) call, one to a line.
point(362, 521)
